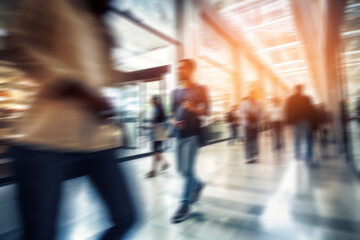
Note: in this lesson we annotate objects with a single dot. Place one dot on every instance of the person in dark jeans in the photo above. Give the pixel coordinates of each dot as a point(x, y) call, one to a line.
point(300, 114)
point(233, 122)
point(65, 47)
point(189, 102)
point(159, 137)
point(251, 113)
point(40, 173)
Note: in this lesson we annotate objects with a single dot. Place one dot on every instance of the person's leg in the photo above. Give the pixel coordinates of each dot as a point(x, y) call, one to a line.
point(281, 138)
point(248, 143)
point(297, 140)
point(251, 143)
point(256, 143)
point(178, 154)
point(273, 131)
point(234, 130)
point(325, 142)
point(278, 136)
point(237, 133)
point(39, 176)
point(186, 155)
point(155, 160)
point(164, 164)
point(308, 141)
point(231, 142)
point(231, 138)
point(189, 153)
point(111, 183)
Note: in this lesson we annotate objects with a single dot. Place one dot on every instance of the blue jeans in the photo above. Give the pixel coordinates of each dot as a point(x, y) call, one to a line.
point(303, 136)
point(186, 151)
point(39, 175)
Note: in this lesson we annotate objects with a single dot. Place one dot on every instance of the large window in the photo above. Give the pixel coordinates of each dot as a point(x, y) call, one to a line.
point(137, 49)
point(160, 14)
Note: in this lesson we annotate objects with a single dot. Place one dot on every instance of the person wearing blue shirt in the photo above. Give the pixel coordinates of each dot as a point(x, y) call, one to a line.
point(189, 103)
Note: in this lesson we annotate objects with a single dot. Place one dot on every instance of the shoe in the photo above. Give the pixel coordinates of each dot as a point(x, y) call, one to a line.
point(198, 192)
point(165, 167)
point(150, 174)
point(248, 161)
point(181, 214)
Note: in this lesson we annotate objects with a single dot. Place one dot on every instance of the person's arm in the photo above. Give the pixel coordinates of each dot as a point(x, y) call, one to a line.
point(174, 105)
point(202, 110)
point(287, 117)
point(31, 44)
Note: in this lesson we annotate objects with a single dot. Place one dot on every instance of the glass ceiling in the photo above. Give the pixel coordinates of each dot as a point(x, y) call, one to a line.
point(269, 28)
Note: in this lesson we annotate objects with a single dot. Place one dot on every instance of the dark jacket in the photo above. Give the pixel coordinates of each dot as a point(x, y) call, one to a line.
point(158, 114)
point(299, 107)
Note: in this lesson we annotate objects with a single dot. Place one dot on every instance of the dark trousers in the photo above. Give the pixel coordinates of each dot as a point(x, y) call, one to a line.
point(252, 148)
point(40, 174)
point(233, 133)
point(277, 135)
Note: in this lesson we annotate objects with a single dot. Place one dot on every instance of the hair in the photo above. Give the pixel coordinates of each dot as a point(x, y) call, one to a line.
point(189, 63)
point(157, 99)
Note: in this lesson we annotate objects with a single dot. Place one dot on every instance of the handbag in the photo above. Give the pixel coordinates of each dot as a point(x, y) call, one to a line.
point(171, 131)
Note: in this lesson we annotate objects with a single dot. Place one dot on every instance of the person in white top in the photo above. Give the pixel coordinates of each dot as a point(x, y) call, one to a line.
point(276, 118)
point(251, 114)
point(159, 136)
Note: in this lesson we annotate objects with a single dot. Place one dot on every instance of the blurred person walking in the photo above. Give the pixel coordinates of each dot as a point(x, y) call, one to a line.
point(189, 103)
point(323, 129)
point(233, 123)
point(276, 120)
point(159, 136)
point(65, 47)
point(251, 113)
point(300, 114)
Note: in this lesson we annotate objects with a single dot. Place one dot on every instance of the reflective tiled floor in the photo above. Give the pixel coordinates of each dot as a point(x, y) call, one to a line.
point(271, 200)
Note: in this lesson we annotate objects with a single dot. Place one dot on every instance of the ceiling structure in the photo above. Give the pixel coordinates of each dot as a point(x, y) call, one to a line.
point(269, 28)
